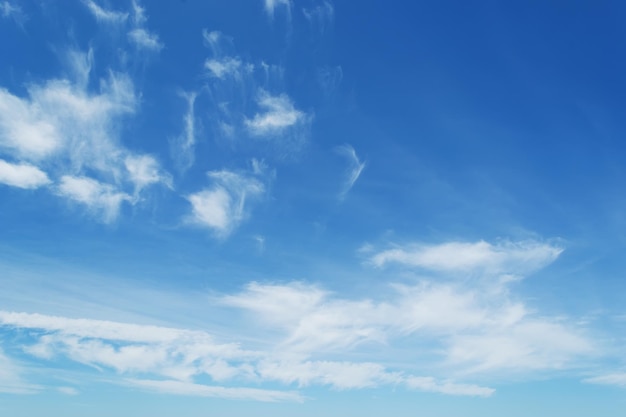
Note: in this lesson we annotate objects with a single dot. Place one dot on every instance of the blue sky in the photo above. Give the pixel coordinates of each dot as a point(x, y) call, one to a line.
point(307, 207)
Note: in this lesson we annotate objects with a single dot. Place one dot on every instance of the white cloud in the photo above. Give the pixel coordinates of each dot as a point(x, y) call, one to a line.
point(182, 147)
point(277, 116)
point(68, 390)
point(354, 169)
point(224, 67)
point(145, 39)
point(173, 358)
point(139, 35)
point(461, 257)
point(320, 16)
point(22, 175)
point(223, 206)
point(10, 10)
point(103, 199)
point(73, 130)
point(271, 5)
point(144, 170)
point(429, 384)
point(615, 379)
point(475, 330)
point(11, 380)
point(104, 15)
point(198, 390)
point(61, 117)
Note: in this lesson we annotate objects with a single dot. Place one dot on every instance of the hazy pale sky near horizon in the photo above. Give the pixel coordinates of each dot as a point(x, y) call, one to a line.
point(312, 207)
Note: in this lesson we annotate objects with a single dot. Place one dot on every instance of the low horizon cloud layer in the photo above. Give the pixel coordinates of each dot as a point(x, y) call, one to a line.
point(308, 332)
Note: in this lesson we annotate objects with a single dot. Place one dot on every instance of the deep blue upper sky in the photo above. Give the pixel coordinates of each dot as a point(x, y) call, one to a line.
point(308, 207)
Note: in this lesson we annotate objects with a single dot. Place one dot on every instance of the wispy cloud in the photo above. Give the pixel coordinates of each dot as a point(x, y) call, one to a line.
point(354, 170)
point(9, 9)
point(168, 360)
point(144, 170)
point(22, 175)
point(277, 115)
point(183, 146)
point(64, 125)
point(199, 390)
point(145, 39)
point(272, 5)
point(11, 380)
point(139, 34)
point(321, 15)
point(104, 200)
point(223, 206)
point(228, 66)
point(513, 258)
point(104, 15)
point(614, 379)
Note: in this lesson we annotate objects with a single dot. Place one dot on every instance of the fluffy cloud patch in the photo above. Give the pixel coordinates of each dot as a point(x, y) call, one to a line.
point(223, 206)
point(102, 199)
point(22, 175)
point(277, 115)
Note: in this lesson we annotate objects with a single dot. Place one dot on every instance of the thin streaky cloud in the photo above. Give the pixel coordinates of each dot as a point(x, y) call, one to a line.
point(102, 199)
point(355, 167)
point(11, 378)
point(614, 379)
point(183, 147)
point(320, 16)
point(272, 5)
point(199, 390)
point(105, 15)
point(173, 358)
point(513, 258)
point(22, 175)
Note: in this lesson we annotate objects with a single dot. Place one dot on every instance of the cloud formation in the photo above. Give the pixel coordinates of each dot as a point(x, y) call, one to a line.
point(104, 15)
point(502, 258)
point(22, 175)
point(223, 206)
point(355, 167)
point(63, 125)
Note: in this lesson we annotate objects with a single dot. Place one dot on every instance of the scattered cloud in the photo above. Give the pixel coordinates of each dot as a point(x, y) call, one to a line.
point(512, 258)
point(145, 39)
point(223, 206)
point(354, 169)
point(104, 15)
point(74, 131)
point(8, 9)
point(168, 360)
point(144, 170)
point(102, 199)
point(429, 384)
point(68, 391)
point(182, 147)
point(221, 68)
point(139, 34)
point(22, 175)
point(198, 390)
point(272, 5)
point(11, 380)
point(615, 379)
point(320, 16)
point(278, 115)
point(475, 329)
